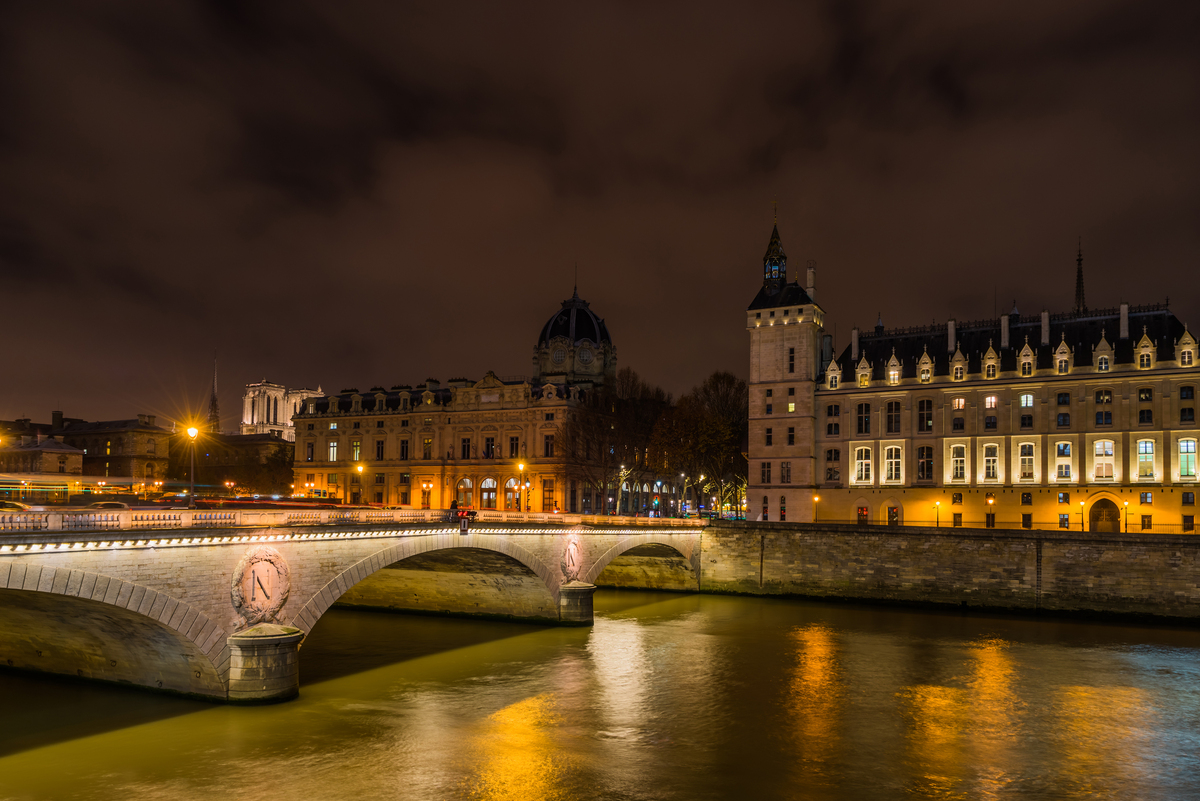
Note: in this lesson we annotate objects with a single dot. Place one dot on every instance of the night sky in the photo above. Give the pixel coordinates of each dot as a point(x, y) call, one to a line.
point(353, 194)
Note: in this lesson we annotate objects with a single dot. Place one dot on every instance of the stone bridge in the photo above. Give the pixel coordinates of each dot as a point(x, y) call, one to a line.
point(161, 601)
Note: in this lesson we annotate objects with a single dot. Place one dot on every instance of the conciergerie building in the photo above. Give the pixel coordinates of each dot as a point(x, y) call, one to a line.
point(1084, 418)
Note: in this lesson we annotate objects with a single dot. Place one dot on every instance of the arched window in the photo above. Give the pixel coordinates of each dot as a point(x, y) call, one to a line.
point(512, 496)
point(1103, 463)
point(958, 462)
point(465, 493)
point(891, 461)
point(862, 465)
point(1187, 458)
point(487, 493)
point(1102, 364)
point(991, 462)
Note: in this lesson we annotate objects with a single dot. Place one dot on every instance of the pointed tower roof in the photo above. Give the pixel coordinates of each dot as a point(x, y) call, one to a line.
point(214, 408)
point(775, 247)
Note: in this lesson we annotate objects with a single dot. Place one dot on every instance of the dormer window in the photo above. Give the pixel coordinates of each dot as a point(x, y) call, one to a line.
point(833, 382)
point(1026, 367)
point(1063, 366)
point(959, 372)
point(1144, 361)
point(926, 375)
point(1102, 364)
point(1185, 358)
point(894, 376)
point(990, 372)
point(864, 380)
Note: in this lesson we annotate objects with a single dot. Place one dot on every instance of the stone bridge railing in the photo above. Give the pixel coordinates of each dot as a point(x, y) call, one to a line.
point(141, 519)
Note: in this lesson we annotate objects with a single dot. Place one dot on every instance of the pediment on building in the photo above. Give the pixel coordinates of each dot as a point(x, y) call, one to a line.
point(1103, 346)
point(925, 360)
point(489, 381)
point(1027, 353)
point(1145, 343)
point(958, 357)
point(893, 363)
point(863, 364)
point(1063, 350)
point(991, 355)
point(1187, 339)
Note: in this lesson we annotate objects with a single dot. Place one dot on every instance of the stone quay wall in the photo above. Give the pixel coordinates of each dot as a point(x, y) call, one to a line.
point(1065, 571)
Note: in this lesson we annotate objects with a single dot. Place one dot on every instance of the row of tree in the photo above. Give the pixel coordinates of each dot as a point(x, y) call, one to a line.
point(634, 433)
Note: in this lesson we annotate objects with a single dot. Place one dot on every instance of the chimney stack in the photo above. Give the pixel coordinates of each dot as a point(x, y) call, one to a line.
point(951, 338)
point(812, 280)
point(1045, 327)
point(1124, 321)
point(854, 345)
point(1004, 330)
point(56, 420)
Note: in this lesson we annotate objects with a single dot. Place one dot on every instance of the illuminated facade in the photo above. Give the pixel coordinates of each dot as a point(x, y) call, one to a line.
point(429, 445)
point(1085, 418)
point(267, 408)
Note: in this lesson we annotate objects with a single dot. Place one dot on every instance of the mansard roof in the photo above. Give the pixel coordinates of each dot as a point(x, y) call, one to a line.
point(1081, 332)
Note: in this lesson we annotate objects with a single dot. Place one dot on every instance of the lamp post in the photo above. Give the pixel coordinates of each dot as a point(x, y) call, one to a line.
point(937, 514)
point(1126, 517)
point(361, 491)
point(192, 432)
point(815, 499)
point(990, 512)
point(229, 488)
point(520, 486)
point(1081, 515)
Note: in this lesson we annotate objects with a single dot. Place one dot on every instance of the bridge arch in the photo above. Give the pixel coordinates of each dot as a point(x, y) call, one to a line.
point(396, 555)
point(686, 547)
point(79, 623)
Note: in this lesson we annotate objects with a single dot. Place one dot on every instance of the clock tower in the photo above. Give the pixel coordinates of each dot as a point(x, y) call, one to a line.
point(786, 327)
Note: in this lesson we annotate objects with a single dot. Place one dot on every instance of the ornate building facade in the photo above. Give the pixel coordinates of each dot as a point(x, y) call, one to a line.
point(268, 408)
point(1079, 419)
point(487, 444)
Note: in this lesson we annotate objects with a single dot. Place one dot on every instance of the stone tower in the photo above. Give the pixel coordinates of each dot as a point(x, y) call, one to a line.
point(786, 328)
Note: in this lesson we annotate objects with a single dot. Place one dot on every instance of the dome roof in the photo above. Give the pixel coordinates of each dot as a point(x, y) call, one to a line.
point(576, 322)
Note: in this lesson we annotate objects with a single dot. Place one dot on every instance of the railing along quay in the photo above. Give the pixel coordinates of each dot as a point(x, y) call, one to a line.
point(143, 519)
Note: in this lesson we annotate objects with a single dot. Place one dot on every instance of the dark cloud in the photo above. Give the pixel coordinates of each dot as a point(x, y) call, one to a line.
point(372, 192)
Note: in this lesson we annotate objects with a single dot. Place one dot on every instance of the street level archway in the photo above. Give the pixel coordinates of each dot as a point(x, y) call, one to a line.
point(1105, 516)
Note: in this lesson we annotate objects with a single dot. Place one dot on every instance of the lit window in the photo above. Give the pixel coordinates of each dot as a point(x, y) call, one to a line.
point(1187, 458)
point(958, 372)
point(991, 371)
point(1144, 361)
point(833, 382)
point(959, 403)
point(1145, 449)
point(892, 464)
point(333, 426)
point(1026, 401)
point(333, 451)
point(1185, 358)
point(1063, 461)
point(864, 380)
point(1146, 497)
point(862, 464)
point(1102, 364)
point(1104, 460)
point(991, 462)
point(926, 375)
point(989, 402)
point(958, 462)
point(893, 376)
point(1026, 462)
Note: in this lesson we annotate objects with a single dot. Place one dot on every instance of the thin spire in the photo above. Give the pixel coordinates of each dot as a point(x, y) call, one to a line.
point(1080, 305)
point(775, 210)
point(214, 408)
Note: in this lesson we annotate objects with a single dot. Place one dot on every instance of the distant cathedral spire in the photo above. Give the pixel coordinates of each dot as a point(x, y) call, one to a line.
point(1080, 305)
point(774, 264)
point(214, 408)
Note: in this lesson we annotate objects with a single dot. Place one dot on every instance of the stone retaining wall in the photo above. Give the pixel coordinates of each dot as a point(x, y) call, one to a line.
point(1135, 574)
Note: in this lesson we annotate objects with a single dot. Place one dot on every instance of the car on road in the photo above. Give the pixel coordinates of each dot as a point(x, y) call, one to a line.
point(115, 506)
point(13, 506)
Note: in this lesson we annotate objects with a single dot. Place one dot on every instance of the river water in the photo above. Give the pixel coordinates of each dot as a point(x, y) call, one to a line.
point(667, 697)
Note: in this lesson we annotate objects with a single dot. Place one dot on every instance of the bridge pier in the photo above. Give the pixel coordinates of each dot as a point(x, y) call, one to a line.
point(264, 664)
point(575, 603)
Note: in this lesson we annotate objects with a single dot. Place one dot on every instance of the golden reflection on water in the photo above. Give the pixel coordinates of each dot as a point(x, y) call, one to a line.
point(961, 737)
point(1101, 731)
point(518, 756)
point(816, 691)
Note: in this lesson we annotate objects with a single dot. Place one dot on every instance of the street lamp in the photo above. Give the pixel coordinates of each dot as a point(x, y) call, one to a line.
point(229, 488)
point(1126, 517)
point(520, 486)
point(937, 514)
point(815, 499)
point(1081, 515)
point(192, 432)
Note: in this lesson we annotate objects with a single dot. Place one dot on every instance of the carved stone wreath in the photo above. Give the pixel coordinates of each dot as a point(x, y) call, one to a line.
point(570, 563)
point(260, 585)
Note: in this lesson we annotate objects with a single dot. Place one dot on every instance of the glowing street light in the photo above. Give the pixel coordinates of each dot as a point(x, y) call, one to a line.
point(815, 499)
point(192, 432)
point(1126, 517)
point(1081, 515)
point(937, 514)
